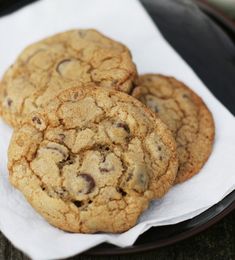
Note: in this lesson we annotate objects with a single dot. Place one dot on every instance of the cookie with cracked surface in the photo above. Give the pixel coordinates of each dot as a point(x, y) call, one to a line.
point(185, 114)
point(69, 59)
point(94, 160)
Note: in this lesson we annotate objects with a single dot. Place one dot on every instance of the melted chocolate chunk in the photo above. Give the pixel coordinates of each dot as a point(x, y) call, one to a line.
point(124, 126)
point(90, 182)
point(61, 121)
point(104, 169)
point(9, 102)
point(37, 120)
point(77, 203)
point(68, 161)
point(103, 148)
point(123, 193)
point(57, 149)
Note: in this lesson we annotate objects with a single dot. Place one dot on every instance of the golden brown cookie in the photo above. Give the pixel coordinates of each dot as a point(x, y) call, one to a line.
point(72, 58)
point(185, 114)
point(92, 160)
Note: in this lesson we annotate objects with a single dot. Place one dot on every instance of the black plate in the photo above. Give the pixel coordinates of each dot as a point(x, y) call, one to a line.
point(208, 46)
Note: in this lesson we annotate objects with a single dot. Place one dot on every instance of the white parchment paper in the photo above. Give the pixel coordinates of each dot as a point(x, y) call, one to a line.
point(126, 21)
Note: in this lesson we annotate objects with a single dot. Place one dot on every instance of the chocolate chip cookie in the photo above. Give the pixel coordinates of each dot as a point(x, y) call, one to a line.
point(185, 114)
point(69, 59)
point(92, 160)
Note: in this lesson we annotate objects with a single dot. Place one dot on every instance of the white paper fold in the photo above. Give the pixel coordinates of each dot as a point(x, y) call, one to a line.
point(127, 22)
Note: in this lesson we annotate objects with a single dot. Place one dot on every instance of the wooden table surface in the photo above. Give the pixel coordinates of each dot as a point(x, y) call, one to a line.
point(216, 243)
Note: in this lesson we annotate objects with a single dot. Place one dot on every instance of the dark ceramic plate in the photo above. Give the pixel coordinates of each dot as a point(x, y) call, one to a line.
point(206, 41)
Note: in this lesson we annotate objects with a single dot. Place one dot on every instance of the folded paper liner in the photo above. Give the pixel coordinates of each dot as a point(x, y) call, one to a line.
point(128, 22)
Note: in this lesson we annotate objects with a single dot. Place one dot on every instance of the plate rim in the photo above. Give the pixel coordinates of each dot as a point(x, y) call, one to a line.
point(115, 250)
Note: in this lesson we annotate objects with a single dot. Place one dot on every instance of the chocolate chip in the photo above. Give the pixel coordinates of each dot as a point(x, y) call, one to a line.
point(58, 150)
point(77, 203)
point(9, 102)
point(160, 158)
point(159, 148)
point(61, 121)
point(185, 96)
point(90, 182)
point(68, 161)
point(71, 161)
point(63, 163)
point(103, 169)
point(59, 65)
point(103, 148)
point(37, 120)
point(124, 126)
point(105, 166)
point(123, 193)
